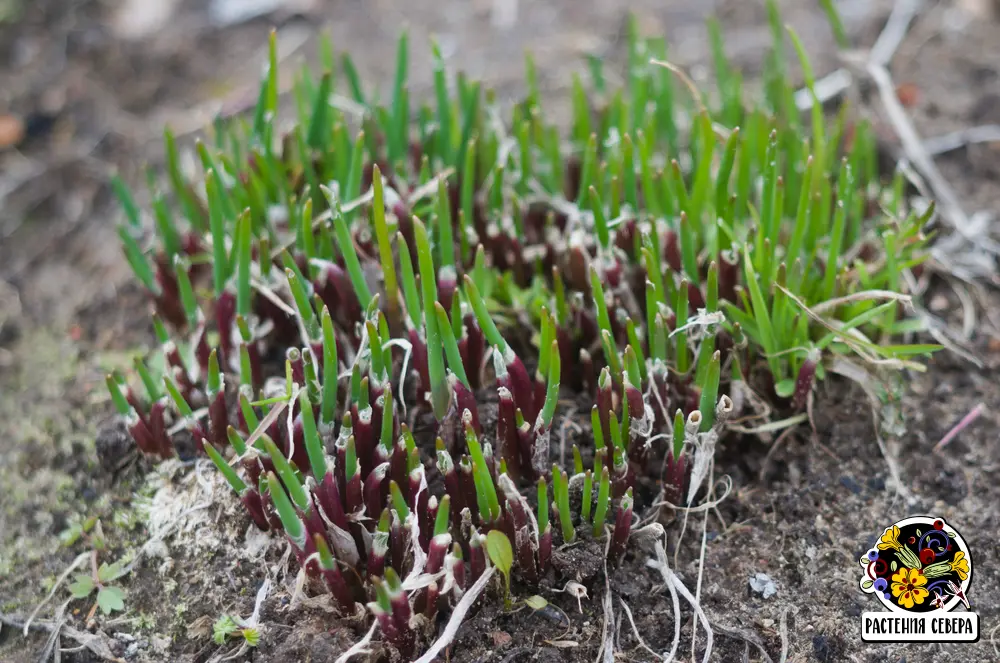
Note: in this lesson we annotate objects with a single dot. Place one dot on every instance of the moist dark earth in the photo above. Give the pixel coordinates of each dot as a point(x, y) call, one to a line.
point(88, 93)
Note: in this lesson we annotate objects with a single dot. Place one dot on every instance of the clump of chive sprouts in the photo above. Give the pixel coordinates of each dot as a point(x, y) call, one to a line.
point(346, 299)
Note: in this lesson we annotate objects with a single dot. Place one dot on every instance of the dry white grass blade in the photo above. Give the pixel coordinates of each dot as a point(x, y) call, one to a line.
point(607, 651)
point(272, 297)
point(97, 643)
point(430, 188)
point(864, 295)
point(457, 616)
point(367, 197)
point(858, 374)
point(771, 426)
point(829, 87)
point(697, 589)
point(262, 593)
point(53, 645)
point(184, 422)
point(965, 253)
point(80, 559)
point(419, 556)
point(785, 642)
point(853, 338)
point(943, 334)
point(708, 505)
point(635, 630)
point(896, 27)
point(913, 147)
point(674, 584)
point(949, 142)
point(690, 84)
point(407, 353)
point(266, 422)
point(748, 638)
point(360, 647)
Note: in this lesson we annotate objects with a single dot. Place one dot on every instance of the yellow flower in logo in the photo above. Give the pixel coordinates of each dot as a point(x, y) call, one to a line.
point(908, 587)
point(890, 539)
point(960, 565)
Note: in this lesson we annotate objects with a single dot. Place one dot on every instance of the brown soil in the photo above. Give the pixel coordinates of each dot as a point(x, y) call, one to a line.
point(92, 101)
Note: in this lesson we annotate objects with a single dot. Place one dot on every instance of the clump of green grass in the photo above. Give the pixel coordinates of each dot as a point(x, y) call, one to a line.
point(342, 299)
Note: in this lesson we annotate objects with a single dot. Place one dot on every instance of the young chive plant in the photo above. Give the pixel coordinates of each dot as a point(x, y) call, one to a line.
point(343, 308)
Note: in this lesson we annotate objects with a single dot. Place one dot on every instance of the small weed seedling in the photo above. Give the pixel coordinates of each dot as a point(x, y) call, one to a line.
point(109, 597)
point(226, 627)
point(502, 556)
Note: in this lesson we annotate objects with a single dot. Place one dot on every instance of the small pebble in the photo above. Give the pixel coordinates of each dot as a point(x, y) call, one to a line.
point(850, 484)
point(762, 584)
point(938, 303)
point(11, 131)
point(876, 483)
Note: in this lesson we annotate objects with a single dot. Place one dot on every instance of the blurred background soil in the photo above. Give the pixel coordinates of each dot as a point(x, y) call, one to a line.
point(85, 89)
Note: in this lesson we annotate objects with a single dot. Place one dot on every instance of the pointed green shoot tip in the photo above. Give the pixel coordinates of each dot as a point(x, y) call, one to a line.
point(450, 344)
point(287, 474)
point(598, 430)
point(117, 397)
point(603, 497)
point(552, 388)
point(543, 505)
point(303, 305)
point(214, 373)
point(314, 446)
point(678, 434)
point(232, 478)
point(235, 439)
point(326, 560)
point(384, 521)
point(440, 393)
point(290, 520)
point(562, 502)
point(443, 516)
point(484, 318)
point(152, 389)
point(350, 459)
point(329, 410)
point(485, 490)
point(710, 392)
point(402, 509)
point(387, 420)
point(345, 242)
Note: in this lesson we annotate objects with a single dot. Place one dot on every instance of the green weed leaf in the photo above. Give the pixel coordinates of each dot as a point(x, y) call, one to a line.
point(785, 388)
point(536, 602)
point(110, 599)
point(110, 572)
point(252, 636)
point(223, 627)
point(502, 555)
point(499, 549)
point(82, 587)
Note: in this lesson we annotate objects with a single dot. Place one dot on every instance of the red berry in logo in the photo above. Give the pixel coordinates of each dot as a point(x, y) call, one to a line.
point(926, 556)
point(939, 524)
point(912, 540)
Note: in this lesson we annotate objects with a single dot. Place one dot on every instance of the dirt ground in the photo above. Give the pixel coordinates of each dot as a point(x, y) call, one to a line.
point(92, 91)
